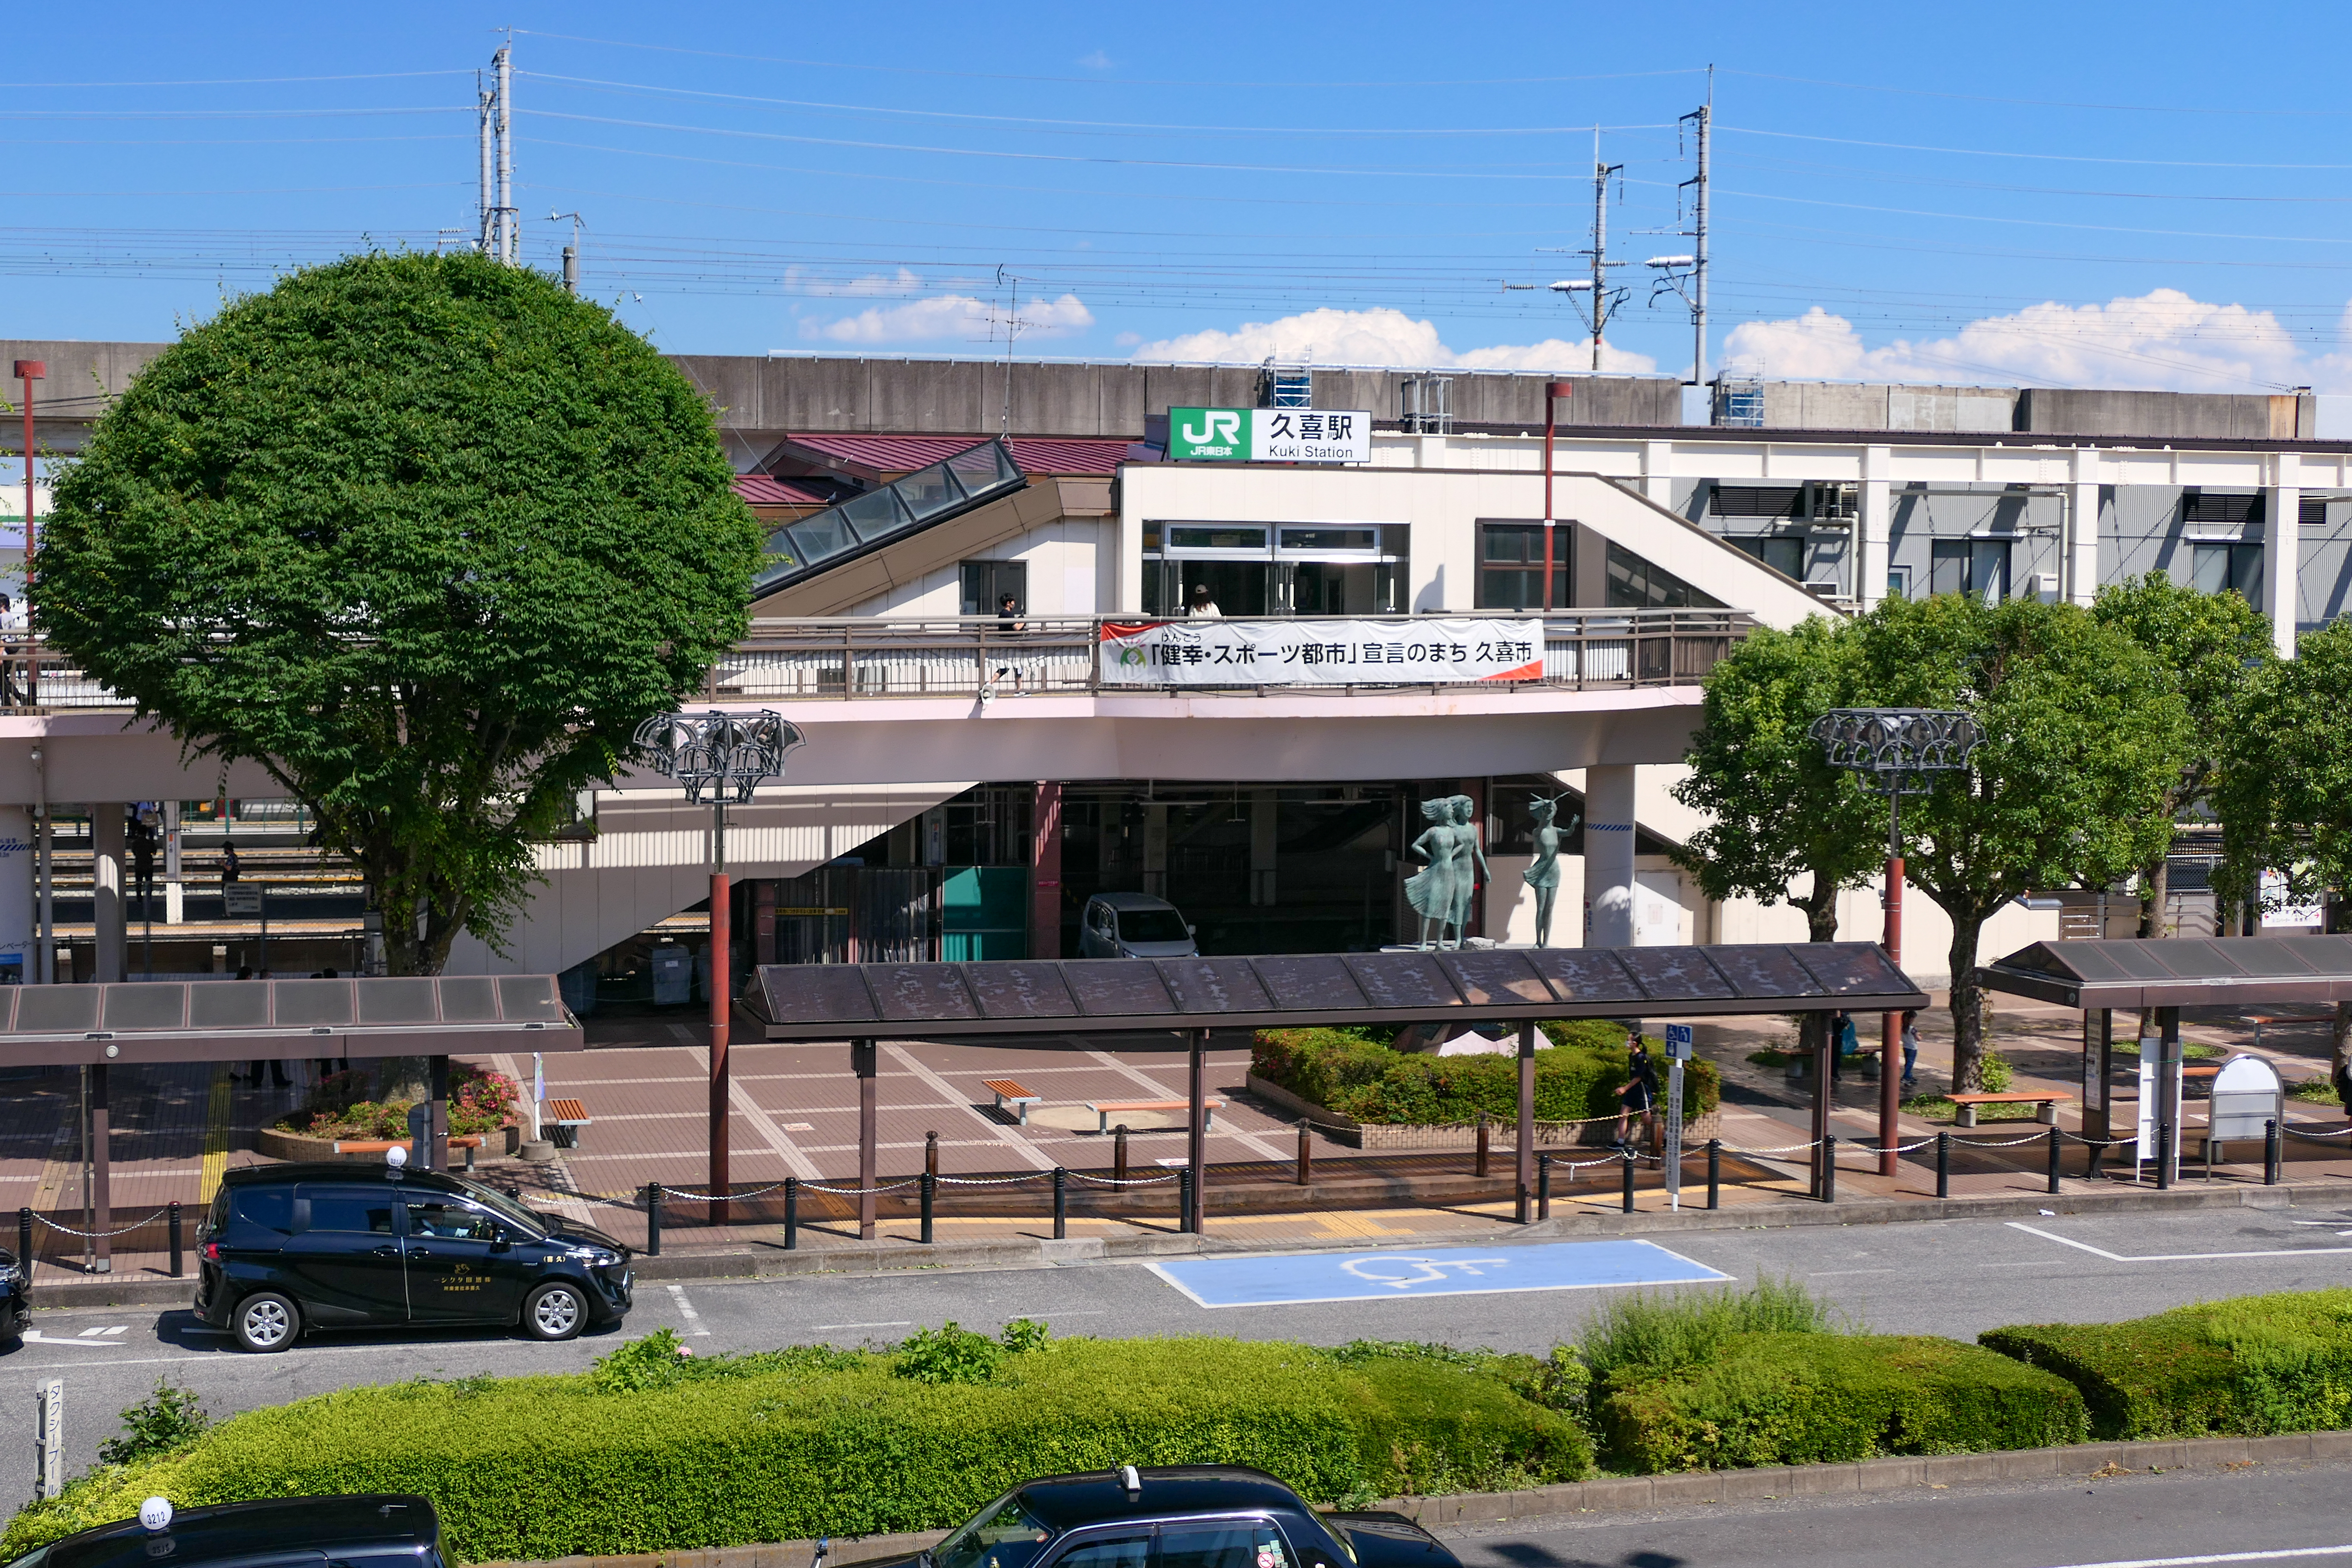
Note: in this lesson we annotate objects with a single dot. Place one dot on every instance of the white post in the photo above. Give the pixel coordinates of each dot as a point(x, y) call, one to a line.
point(2282, 551)
point(1609, 855)
point(537, 1090)
point(175, 911)
point(1678, 1050)
point(1658, 473)
point(1877, 527)
point(106, 825)
point(50, 1438)
point(2082, 528)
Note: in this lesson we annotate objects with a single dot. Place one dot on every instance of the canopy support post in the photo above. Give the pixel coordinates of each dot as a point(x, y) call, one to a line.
point(862, 1059)
point(1196, 1149)
point(1525, 1159)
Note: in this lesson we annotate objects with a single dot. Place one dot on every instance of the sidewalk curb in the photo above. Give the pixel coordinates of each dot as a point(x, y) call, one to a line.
point(1629, 1493)
point(908, 1257)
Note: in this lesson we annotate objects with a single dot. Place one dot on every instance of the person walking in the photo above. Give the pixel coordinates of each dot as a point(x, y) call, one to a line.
point(1639, 1096)
point(1008, 622)
point(1841, 1044)
point(1910, 1047)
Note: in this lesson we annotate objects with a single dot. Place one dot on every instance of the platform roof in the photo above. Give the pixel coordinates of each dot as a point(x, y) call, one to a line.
point(1139, 1003)
point(246, 1020)
point(2177, 971)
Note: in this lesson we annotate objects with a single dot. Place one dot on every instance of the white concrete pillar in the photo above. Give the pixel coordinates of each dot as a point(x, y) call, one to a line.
point(1658, 473)
point(17, 960)
point(2082, 528)
point(1608, 855)
point(106, 824)
point(1877, 527)
point(2282, 551)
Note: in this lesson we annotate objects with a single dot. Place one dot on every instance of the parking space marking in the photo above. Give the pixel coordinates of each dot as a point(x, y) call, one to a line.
point(894, 1323)
point(1296, 1279)
point(694, 1323)
point(2176, 1258)
point(2224, 1557)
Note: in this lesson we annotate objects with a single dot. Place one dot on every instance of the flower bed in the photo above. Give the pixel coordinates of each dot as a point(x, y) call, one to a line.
point(481, 1101)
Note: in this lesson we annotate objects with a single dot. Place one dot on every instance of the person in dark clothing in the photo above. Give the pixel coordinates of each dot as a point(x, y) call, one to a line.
point(1639, 1096)
point(276, 1068)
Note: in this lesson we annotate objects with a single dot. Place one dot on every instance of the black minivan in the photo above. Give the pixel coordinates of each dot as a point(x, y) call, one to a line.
point(288, 1248)
point(379, 1531)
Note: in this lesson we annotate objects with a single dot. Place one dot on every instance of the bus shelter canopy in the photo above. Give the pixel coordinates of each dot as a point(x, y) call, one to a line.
point(250, 1020)
point(2177, 972)
point(1142, 1004)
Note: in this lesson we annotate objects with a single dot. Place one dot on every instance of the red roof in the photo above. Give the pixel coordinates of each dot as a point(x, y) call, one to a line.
point(758, 490)
point(1075, 455)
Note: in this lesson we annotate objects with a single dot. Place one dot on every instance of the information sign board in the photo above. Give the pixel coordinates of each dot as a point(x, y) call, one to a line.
point(1270, 435)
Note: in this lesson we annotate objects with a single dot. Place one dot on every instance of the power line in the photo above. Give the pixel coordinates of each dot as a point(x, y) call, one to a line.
point(2033, 102)
point(2039, 157)
point(233, 82)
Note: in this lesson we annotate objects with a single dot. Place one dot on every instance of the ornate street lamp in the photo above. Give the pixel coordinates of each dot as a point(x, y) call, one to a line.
point(720, 758)
point(1899, 751)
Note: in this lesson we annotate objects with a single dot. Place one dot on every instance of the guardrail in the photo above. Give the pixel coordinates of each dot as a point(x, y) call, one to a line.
point(973, 656)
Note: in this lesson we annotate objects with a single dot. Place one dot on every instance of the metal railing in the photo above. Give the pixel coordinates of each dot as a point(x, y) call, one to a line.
point(971, 656)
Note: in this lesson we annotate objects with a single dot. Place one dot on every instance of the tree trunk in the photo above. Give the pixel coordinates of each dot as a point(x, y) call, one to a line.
point(1968, 1010)
point(2156, 894)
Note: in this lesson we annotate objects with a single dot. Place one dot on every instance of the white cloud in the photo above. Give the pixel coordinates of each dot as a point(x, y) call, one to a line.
point(2164, 340)
point(1381, 336)
point(948, 316)
point(1096, 62)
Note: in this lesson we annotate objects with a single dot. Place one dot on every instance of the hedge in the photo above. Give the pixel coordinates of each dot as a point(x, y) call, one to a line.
point(1578, 1076)
point(2249, 1366)
point(1815, 1398)
point(536, 1468)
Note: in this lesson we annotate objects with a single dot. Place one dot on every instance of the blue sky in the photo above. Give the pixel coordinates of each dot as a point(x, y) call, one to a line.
point(2152, 195)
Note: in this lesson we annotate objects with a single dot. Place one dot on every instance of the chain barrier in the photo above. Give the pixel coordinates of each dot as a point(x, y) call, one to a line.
point(1128, 1181)
point(720, 1197)
point(1785, 1149)
point(100, 1234)
point(2312, 1137)
point(2095, 1142)
point(1873, 1151)
point(990, 1180)
point(858, 1192)
point(2001, 1144)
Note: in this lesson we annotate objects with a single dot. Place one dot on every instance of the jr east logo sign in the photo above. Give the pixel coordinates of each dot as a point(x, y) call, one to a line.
point(1270, 435)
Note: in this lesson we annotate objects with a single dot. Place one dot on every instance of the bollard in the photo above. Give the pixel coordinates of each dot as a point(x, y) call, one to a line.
point(1943, 1164)
point(930, 1186)
point(931, 1156)
point(1184, 1199)
point(1480, 1170)
point(25, 1242)
point(1629, 1181)
point(2055, 1150)
point(177, 1270)
point(1118, 1153)
point(652, 1219)
point(2272, 1150)
point(2091, 1166)
point(2163, 1165)
point(791, 1213)
point(1829, 1170)
point(1061, 1203)
point(1715, 1172)
point(1305, 1153)
point(1543, 1186)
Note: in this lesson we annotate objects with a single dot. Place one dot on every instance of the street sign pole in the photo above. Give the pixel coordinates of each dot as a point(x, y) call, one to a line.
point(1678, 1051)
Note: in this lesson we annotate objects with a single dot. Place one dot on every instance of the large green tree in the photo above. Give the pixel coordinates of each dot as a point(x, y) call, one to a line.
point(2083, 734)
point(424, 536)
point(2210, 649)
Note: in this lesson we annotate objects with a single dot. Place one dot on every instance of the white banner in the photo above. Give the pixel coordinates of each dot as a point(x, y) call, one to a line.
point(1319, 653)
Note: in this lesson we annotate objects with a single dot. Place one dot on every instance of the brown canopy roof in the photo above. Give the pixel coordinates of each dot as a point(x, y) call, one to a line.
point(2177, 971)
point(245, 1020)
point(1094, 998)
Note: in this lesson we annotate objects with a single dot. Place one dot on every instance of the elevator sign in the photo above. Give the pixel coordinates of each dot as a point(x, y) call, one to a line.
point(1270, 435)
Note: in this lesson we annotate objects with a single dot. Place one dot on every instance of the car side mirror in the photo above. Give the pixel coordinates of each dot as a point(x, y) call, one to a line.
point(502, 1241)
point(1191, 930)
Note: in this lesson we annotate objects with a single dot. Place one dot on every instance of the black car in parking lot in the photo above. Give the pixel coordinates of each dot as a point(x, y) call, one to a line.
point(1184, 1516)
point(16, 1295)
point(290, 1248)
point(383, 1531)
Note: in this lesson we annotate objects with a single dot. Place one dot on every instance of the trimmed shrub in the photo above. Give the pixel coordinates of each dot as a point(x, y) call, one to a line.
point(2250, 1366)
point(1815, 1398)
point(1578, 1076)
point(535, 1467)
point(1644, 1335)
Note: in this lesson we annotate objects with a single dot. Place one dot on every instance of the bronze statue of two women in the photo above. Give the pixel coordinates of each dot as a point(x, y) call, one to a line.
point(1442, 890)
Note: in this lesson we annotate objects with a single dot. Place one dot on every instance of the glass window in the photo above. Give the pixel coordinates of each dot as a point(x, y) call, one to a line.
point(1151, 925)
point(1004, 1534)
point(1117, 1551)
point(1636, 585)
point(1237, 1543)
point(1783, 554)
point(985, 584)
point(1217, 537)
point(365, 1214)
point(449, 1222)
point(2229, 568)
point(1363, 540)
point(1510, 566)
point(1978, 566)
point(269, 1208)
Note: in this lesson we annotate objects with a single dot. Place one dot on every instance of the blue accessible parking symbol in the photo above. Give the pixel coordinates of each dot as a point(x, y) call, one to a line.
point(1391, 1276)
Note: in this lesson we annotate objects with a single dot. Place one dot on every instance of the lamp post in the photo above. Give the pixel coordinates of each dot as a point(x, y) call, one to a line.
point(1899, 751)
point(719, 757)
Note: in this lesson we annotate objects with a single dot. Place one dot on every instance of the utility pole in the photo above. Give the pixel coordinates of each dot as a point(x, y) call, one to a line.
point(1601, 173)
point(509, 246)
point(1705, 116)
point(486, 241)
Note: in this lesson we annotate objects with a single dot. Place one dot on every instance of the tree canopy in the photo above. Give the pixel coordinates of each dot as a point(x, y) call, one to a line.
point(426, 538)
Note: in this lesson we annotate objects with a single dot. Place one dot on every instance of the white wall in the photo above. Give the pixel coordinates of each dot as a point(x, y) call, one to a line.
point(1069, 573)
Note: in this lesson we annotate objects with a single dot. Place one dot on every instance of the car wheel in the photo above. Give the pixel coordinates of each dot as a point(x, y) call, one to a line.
point(556, 1310)
point(266, 1322)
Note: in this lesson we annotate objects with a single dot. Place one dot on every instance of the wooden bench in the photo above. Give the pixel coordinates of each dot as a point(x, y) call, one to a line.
point(1008, 1091)
point(1104, 1110)
point(2048, 1102)
point(562, 1120)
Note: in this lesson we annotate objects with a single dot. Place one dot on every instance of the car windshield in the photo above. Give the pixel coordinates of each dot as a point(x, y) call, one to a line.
point(1151, 925)
point(497, 1202)
point(1004, 1534)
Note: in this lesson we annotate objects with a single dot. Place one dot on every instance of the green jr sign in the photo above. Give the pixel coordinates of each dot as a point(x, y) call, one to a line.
point(1270, 435)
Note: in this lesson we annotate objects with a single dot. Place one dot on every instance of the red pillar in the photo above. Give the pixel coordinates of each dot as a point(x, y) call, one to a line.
point(1890, 1049)
point(1045, 879)
point(722, 1000)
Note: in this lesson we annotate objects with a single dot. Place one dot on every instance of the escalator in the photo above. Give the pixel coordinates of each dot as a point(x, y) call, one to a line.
point(859, 526)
